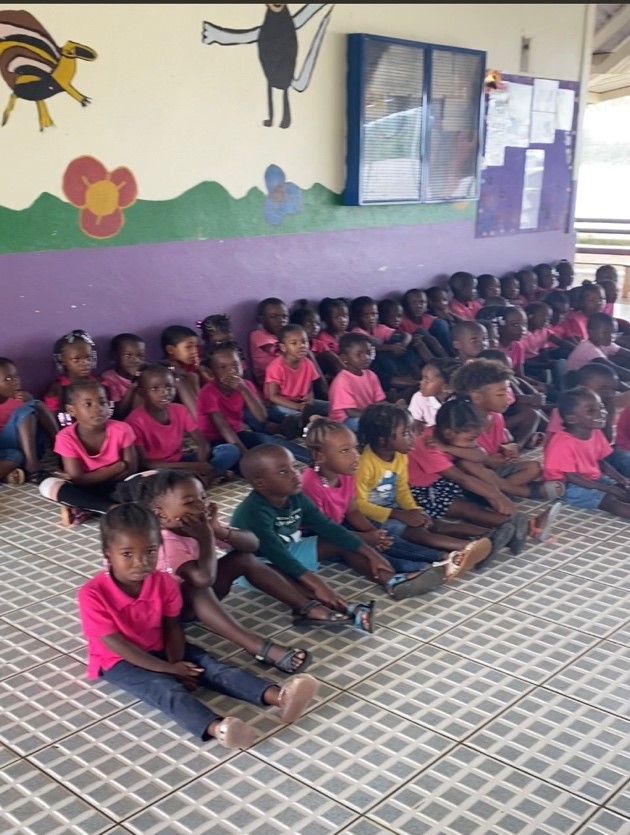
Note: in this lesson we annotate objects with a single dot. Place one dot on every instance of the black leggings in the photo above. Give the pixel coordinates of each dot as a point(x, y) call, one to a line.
point(98, 498)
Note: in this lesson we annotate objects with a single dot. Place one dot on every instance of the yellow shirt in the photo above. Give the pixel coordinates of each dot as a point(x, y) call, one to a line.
point(382, 486)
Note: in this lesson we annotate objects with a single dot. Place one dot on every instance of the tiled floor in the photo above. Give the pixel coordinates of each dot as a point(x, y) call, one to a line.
point(499, 705)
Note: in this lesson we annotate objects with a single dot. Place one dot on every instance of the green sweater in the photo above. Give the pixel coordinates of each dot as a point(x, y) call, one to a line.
point(277, 527)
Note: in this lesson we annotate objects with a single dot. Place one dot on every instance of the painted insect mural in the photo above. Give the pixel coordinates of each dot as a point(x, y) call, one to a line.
point(34, 67)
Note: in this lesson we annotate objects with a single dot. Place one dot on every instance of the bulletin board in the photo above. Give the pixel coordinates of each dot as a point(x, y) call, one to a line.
point(529, 151)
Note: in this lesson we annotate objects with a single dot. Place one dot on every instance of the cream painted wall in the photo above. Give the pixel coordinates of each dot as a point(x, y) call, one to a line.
point(179, 112)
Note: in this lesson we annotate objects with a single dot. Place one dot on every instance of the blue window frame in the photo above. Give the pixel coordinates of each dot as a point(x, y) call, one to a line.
point(415, 119)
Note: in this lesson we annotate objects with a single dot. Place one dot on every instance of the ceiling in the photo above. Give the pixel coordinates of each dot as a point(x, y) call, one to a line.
point(610, 65)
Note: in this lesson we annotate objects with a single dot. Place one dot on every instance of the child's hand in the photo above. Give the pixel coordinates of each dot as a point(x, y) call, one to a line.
point(233, 381)
point(195, 526)
point(415, 518)
point(377, 538)
point(187, 673)
point(398, 348)
point(510, 452)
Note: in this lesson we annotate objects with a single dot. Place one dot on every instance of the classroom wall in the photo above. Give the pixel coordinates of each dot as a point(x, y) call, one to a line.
point(164, 197)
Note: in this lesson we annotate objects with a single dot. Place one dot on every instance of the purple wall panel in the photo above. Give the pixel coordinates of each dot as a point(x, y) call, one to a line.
point(144, 288)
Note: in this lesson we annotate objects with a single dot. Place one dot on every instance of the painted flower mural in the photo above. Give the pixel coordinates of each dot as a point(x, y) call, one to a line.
point(282, 198)
point(101, 195)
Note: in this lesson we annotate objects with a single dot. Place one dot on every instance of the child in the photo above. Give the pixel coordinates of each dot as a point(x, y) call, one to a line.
point(463, 287)
point(527, 286)
point(512, 329)
point(417, 321)
point(215, 329)
point(181, 355)
point(391, 361)
point(488, 288)
point(354, 388)
point(510, 288)
point(75, 358)
point(486, 384)
point(599, 347)
point(329, 483)
point(434, 390)
point(25, 423)
point(190, 532)
point(308, 318)
point(289, 382)
point(589, 299)
point(272, 315)
point(576, 456)
point(127, 355)
point(545, 279)
point(161, 428)
point(130, 616)
point(438, 305)
point(277, 511)
point(96, 453)
point(383, 493)
point(438, 484)
point(469, 339)
point(564, 270)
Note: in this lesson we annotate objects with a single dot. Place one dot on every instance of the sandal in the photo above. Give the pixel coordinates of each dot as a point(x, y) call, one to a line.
point(284, 663)
point(295, 697)
point(540, 527)
point(333, 620)
point(521, 532)
point(457, 562)
point(402, 586)
point(500, 537)
point(234, 733)
point(15, 478)
point(550, 490)
point(72, 517)
point(362, 615)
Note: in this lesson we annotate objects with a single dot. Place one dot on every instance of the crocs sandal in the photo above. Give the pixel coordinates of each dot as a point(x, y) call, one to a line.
point(284, 663)
point(295, 696)
point(542, 531)
point(15, 478)
point(458, 562)
point(402, 586)
point(521, 532)
point(333, 620)
point(234, 733)
point(362, 615)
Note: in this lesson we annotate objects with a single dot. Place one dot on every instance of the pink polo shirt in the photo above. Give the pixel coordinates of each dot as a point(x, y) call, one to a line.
point(117, 386)
point(495, 434)
point(118, 436)
point(105, 609)
point(534, 341)
point(333, 502)
point(426, 463)
point(174, 551)
point(587, 352)
point(575, 324)
point(381, 332)
point(466, 311)
point(567, 454)
point(293, 383)
point(516, 353)
point(407, 325)
point(162, 441)
point(325, 342)
point(622, 438)
point(261, 359)
point(353, 391)
point(230, 404)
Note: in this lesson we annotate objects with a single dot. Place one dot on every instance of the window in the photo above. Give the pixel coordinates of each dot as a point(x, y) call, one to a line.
point(414, 121)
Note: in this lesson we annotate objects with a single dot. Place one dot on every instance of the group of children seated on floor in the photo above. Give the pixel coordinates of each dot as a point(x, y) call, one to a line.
point(412, 427)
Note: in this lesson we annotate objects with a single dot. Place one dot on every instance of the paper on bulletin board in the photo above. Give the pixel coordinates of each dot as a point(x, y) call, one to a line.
point(565, 105)
point(543, 128)
point(532, 188)
point(545, 94)
point(497, 128)
point(519, 107)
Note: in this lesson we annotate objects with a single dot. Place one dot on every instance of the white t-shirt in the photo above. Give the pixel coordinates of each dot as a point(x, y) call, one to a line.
point(424, 408)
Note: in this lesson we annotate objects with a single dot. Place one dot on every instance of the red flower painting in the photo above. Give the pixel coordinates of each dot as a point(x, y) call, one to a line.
point(101, 195)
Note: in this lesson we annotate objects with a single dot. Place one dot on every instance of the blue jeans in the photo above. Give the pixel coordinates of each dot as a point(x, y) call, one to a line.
point(164, 692)
point(404, 556)
point(223, 456)
point(584, 497)
point(441, 330)
point(620, 460)
point(10, 445)
point(352, 424)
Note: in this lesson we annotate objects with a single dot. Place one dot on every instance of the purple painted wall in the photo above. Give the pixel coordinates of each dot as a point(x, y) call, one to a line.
point(144, 288)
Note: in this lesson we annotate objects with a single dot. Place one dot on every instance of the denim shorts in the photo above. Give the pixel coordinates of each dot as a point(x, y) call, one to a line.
point(10, 445)
point(583, 497)
point(304, 551)
point(506, 470)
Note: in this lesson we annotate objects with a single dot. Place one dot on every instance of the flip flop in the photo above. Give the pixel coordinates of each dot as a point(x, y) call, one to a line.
point(295, 696)
point(541, 534)
point(15, 478)
point(402, 586)
point(234, 733)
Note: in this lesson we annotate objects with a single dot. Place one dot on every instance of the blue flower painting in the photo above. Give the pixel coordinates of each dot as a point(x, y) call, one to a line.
point(282, 198)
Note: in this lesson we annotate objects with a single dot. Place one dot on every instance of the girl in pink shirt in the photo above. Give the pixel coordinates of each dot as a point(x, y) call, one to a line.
point(127, 355)
point(75, 358)
point(463, 287)
point(356, 387)
point(96, 453)
point(576, 456)
point(161, 428)
point(272, 315)
point(586, 300)
point(130, 614)
point(527, 285)
point(289, 382)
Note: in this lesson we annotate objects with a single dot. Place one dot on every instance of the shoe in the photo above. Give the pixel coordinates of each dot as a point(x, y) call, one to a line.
point(541, 526)
point(521, 532)
point(500, 537)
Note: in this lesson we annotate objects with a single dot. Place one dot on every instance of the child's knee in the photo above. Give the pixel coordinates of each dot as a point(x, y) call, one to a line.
point(533, 469)
point(241, 561)
point(50, 487)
